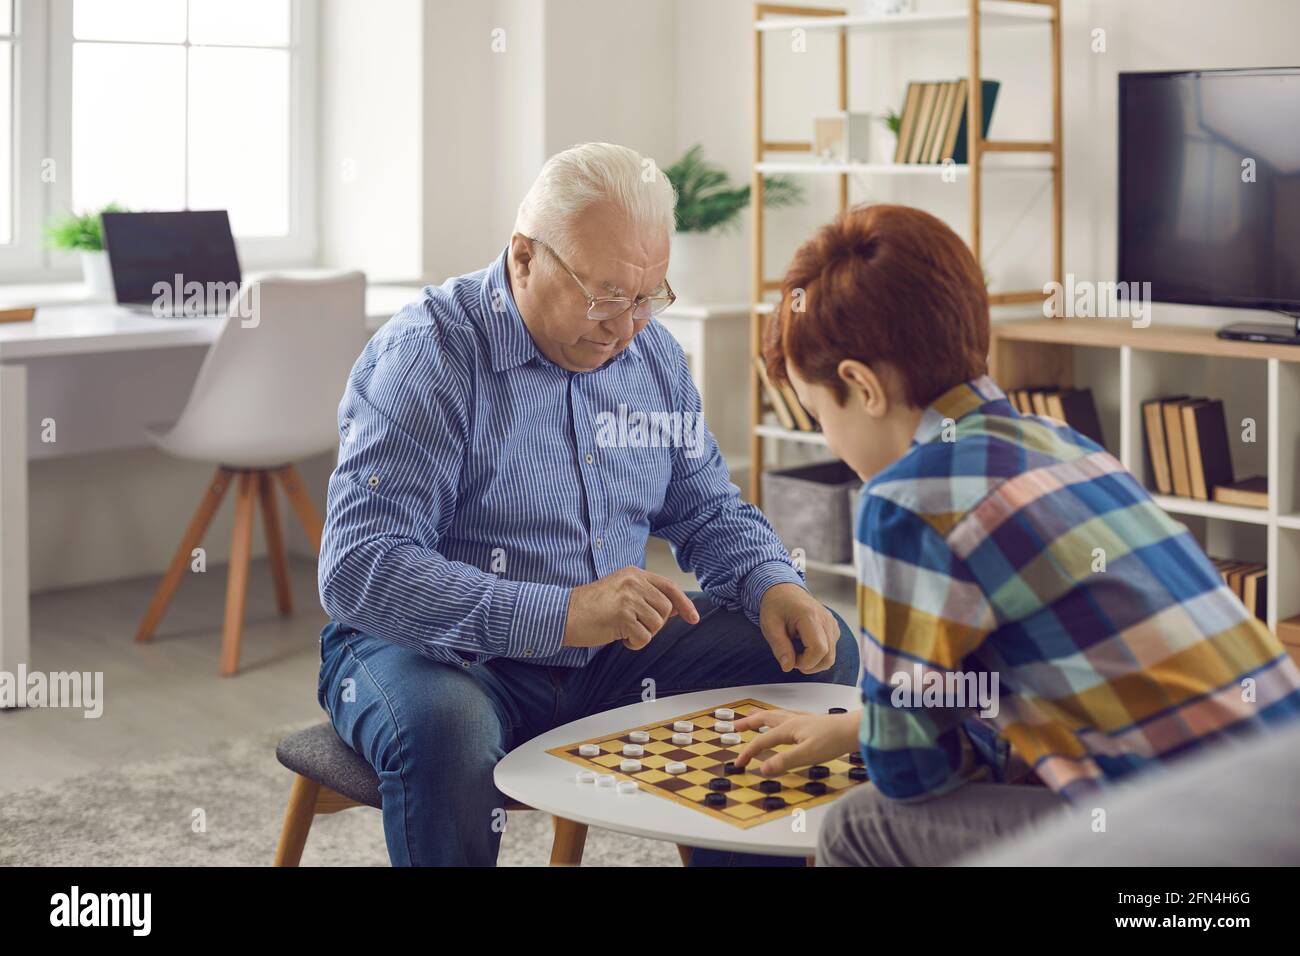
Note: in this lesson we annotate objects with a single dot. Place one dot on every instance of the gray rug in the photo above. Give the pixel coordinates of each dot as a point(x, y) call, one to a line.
point(225, 808)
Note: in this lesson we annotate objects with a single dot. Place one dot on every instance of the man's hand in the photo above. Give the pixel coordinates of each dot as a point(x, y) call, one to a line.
point(629, 605)
point(788, 611)
point(816, 738)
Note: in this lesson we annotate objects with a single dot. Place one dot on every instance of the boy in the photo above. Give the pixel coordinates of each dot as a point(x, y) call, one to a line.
point(1023, 604)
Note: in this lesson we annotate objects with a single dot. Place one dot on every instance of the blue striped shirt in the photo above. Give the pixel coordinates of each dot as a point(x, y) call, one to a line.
point(478, 483)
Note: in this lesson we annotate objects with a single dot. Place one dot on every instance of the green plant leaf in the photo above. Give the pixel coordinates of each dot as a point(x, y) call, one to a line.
point(706, 199)
point(82, 231)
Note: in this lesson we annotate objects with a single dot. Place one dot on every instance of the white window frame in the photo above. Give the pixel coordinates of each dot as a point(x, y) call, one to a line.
point(23, 255)
point(43, 131)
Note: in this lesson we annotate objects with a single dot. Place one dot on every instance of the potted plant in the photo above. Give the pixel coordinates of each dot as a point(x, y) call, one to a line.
point(893, 122)
point(83, 233)
point(707, 263)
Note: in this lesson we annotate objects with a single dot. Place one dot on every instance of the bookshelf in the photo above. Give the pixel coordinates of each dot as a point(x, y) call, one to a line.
point(987, 156)
point(1126, 365)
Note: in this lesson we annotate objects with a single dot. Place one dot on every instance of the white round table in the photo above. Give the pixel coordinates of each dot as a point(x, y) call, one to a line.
point(549, 783)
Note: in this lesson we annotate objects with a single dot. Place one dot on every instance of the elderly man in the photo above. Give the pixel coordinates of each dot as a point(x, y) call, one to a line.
point(484, 549)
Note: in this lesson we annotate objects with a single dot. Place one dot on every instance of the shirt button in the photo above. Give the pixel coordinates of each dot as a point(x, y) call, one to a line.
point(528, 652)
point(464, 663)
point(600, 542)
point(590, 458)
point(374, 481)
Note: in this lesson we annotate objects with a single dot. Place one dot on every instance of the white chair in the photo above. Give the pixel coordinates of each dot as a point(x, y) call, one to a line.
point(266, 396)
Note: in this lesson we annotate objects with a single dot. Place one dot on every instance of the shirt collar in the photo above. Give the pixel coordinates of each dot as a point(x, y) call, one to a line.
point(953, 405)
point(510, 344)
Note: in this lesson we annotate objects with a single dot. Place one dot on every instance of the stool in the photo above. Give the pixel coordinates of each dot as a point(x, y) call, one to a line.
point(330, 776)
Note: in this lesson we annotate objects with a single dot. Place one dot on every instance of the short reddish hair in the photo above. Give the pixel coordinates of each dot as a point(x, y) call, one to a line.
point(883, 284)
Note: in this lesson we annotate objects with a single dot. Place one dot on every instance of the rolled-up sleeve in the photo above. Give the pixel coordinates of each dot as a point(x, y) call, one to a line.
point(726, 542)
point(404, 431)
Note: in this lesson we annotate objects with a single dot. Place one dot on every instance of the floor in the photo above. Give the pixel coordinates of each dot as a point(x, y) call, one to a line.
point(165, 699)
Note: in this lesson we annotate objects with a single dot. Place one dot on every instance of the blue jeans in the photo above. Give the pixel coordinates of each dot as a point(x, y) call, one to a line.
point(434, 732)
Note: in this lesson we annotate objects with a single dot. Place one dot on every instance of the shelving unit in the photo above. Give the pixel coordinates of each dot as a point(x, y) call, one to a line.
point(1126, 365)
point(1014, 156)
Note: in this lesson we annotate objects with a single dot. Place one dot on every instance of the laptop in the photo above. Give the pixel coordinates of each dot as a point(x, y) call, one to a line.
point(173, 264)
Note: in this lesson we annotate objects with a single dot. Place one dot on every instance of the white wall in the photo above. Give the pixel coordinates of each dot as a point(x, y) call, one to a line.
point(611, 74)
point(462, 133)
point(443, 112)
point(371, 143)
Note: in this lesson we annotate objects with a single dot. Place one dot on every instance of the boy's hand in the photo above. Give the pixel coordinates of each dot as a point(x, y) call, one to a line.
point(816, 738)
point(786, 612)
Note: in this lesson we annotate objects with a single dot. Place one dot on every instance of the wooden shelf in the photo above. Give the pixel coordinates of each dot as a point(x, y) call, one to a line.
point(1210, 509)
point(1126, 366)
point(937, 170)
point(1036, 155)
point(993, 13)
point(1120, 333)
point(790, 434)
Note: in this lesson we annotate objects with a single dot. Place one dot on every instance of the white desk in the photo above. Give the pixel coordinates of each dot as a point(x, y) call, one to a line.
point(65, 344)
point(549, 783)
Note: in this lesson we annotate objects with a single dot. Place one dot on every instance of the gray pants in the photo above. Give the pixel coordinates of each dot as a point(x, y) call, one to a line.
point(866, 828)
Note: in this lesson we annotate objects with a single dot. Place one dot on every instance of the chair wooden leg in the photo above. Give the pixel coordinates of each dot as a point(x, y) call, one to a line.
point(241, 546)
point(685, 853)
point(300, 501)
point(297, 820)
point(275, 543)
point(570, 838)
point(193, 536)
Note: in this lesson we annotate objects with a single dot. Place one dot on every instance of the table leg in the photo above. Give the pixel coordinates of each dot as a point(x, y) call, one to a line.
point(570, 838)
point(15, 621)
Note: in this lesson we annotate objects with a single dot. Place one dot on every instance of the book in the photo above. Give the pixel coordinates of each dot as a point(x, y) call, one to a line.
point(954, 121)
point(942, 111)
point(1179, 475)
point(1237, 575)
point(1254, 592)
point(907, 122)
point(1027, 400)
point(1227, 568)
point(988, 96)
point(1156, 446)
point(1075, 407)
point(925, 112)
point(1247, 493)
point(929, 100)
point(774, 396)
point(1038, 398)
point(797, 410)
point(1209, 457)
point(1022, 399)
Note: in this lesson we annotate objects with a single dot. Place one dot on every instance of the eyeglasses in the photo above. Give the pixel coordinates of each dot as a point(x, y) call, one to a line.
point(605, 307)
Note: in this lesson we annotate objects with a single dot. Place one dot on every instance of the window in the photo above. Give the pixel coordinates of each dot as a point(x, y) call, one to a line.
point(157, 104)
point(183, 103)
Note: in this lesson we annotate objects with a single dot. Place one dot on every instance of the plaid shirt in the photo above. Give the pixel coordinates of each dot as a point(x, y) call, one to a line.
point(1011, 547)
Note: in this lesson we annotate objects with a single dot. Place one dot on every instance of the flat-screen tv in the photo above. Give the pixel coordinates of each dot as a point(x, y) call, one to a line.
point(1209, 186)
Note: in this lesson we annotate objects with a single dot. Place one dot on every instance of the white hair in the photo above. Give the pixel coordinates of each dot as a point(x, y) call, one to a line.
point(586, 174)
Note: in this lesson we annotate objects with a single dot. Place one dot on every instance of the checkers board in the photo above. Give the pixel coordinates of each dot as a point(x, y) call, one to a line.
point(705, 759)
